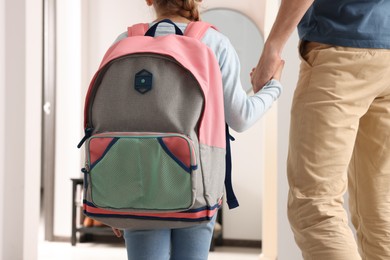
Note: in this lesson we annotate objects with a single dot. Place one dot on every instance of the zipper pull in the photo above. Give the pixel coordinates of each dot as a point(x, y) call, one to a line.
point(85, 171)
point(88, 133)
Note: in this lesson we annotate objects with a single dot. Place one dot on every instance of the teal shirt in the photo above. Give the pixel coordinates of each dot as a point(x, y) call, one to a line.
point(349, 23)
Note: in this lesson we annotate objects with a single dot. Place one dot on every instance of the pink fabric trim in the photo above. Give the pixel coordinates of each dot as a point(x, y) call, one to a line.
point(198, 29)
point(97, 146)
point(193, 30)
point(180, 148)
point(137, 29)
point(195, 57)
point(195, 215)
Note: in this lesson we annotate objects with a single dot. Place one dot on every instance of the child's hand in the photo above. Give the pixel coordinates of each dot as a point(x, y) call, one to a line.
point(266, 68)
point(117, 232)
point(278, 72)
point(277, 75)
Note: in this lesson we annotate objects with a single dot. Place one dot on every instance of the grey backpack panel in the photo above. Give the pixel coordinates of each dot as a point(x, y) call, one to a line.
point(173, 104)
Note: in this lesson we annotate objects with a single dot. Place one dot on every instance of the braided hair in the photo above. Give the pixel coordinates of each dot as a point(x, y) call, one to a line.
point(185, 8)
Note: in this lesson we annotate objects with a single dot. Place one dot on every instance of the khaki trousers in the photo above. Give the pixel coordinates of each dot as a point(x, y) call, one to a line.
point(339, 141)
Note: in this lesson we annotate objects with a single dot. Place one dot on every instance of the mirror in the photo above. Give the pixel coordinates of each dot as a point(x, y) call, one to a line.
point(244, 36)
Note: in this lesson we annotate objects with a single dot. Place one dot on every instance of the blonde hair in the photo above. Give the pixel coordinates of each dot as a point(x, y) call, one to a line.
point(185, 8)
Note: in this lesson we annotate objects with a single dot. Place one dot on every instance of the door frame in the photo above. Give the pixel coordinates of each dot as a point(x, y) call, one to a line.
point(48, 116)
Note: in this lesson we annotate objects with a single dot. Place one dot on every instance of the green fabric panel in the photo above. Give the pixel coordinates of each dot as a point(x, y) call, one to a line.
point(136, 173)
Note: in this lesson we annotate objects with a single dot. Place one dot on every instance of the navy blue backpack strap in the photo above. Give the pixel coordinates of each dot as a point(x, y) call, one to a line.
point(231, 199)
point(152, 30)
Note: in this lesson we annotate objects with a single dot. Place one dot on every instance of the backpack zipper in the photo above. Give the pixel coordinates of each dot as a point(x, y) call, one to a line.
point(88, 133)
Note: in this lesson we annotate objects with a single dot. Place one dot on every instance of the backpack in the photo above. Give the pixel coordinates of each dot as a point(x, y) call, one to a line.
point(155, 132)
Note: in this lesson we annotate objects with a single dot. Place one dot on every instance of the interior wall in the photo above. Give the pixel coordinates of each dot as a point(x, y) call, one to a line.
point(287, 249)
point(2, 117)
point(32, 132)
point(270, 213)
point(68, 107)
point(20, 79)
point(14, 142)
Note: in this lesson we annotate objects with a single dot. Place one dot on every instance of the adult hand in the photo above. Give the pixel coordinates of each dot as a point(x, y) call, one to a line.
point(117, 232)
point(266, 69)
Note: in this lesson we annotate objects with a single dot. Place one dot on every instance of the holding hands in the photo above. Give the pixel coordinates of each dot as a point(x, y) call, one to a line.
point(270, 66)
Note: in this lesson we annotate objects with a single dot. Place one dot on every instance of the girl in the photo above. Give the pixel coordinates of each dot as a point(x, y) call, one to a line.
point(241, 112)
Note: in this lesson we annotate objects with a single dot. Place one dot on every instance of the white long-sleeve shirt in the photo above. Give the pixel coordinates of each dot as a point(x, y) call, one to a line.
point(241, 111)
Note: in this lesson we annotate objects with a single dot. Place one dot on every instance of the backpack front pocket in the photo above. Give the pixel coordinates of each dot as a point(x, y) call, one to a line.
point(141, 171)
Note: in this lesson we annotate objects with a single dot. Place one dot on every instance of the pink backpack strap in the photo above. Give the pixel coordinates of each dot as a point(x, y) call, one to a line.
point(198, 29)
point(137, 29)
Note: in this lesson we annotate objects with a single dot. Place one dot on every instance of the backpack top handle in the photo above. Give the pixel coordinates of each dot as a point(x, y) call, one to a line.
point(152, 30)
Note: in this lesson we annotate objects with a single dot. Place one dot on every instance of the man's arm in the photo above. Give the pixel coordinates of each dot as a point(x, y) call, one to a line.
point(289, 15)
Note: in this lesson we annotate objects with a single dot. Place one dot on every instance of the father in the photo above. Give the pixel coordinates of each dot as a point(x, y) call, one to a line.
point(340, 125)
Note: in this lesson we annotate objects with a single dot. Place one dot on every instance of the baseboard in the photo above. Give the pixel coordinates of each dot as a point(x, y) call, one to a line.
point(241, 243)
point(114, 239)
point(85, 238)
point(60, 239)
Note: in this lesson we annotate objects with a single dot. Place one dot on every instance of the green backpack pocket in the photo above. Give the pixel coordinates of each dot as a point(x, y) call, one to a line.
point(141, 171)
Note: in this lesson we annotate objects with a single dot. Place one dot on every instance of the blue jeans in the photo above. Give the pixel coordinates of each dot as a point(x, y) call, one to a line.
point(191, 243)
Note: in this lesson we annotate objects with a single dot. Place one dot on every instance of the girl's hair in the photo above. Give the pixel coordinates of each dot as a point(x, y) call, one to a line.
point(184, 8)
